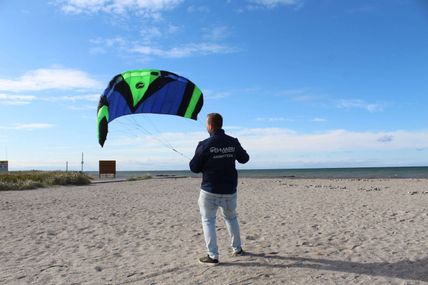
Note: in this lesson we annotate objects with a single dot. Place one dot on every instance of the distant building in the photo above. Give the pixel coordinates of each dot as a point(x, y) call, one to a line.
point(4, 166)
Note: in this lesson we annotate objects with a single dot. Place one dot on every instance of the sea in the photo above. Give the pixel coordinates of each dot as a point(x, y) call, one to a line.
point(324, 173)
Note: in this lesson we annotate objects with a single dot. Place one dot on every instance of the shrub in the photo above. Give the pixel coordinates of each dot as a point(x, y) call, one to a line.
point(21, 180)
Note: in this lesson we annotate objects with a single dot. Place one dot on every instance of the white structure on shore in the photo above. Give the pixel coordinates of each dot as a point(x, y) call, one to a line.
point(4, 166)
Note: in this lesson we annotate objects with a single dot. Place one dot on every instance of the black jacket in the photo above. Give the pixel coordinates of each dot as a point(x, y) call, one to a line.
point(215, 158)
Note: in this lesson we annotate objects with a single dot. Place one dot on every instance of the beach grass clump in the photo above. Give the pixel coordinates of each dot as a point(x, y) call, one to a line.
point(24, 180)
point(20, 185)
point(70, 178)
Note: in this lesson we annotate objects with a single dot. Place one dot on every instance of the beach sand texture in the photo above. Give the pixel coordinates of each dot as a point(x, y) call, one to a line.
point(296, 231)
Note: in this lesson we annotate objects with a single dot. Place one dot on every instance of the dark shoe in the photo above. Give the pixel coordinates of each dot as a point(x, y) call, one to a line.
point(241, 252)
point(208, 260)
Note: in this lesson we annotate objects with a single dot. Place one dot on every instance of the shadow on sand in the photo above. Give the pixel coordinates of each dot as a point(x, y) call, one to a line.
point(405, 269)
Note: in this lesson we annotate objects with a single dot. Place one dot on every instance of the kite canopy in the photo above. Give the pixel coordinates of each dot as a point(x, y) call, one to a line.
point(147, 91)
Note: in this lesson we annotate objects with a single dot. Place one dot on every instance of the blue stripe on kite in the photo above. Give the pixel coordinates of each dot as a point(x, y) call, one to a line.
point(117, 105)
point(166, 101)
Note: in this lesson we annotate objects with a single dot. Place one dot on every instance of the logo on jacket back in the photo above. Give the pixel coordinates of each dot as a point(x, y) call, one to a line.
point(222, 152)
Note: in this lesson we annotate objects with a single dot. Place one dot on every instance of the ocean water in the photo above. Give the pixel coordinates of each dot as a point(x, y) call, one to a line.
point(357, 173)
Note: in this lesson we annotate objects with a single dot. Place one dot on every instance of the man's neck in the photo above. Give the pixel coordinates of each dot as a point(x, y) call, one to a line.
point(214, 131)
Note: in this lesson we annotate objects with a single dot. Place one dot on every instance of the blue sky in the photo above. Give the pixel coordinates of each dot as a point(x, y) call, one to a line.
point(301, 83)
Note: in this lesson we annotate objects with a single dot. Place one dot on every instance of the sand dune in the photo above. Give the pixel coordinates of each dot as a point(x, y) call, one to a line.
point(297, 231)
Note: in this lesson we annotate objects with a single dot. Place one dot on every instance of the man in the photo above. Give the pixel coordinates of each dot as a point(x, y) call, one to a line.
point(215, 158)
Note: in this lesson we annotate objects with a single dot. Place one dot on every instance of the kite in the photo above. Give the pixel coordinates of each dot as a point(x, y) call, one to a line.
point(147, 91)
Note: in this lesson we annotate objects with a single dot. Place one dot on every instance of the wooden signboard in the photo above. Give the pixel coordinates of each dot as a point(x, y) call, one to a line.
point(107, 168)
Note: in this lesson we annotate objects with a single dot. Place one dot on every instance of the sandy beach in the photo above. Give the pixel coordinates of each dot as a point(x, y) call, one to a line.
point(296, 231)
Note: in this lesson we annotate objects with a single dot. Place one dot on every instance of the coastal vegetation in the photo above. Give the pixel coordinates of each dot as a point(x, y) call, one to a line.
point(24, 180)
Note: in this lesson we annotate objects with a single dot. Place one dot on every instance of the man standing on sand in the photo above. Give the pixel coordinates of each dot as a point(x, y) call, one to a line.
point(215, 158)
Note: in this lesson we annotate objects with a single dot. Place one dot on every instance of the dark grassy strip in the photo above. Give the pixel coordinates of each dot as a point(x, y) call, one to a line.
point(24, 180)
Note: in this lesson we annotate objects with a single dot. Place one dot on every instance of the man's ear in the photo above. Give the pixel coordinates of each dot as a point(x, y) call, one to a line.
point(209, 128)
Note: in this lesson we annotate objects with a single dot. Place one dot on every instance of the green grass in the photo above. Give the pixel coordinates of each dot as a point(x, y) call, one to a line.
point(24, 180)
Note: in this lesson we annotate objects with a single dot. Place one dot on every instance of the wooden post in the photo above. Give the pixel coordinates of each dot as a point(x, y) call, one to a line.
point(82, 164)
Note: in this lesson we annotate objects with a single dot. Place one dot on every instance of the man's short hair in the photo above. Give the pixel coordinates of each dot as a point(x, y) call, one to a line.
point(215, 120)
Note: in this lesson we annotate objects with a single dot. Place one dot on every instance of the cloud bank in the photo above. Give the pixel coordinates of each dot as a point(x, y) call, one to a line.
point(48, 79)
point(119, 7)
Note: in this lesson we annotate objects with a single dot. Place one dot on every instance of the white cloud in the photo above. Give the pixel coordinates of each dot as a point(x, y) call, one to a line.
point(157, 147)
point(279, 147)
point(183, 51)
point(102, 45)
point(18, 100)
point(386, 139)
point(33, 126)
point(215, 95)
point(275, 3)
point(147, 48)
point(27, 127)
point(154, 40)
point(268, 147)
point(280, 140)
point(50, 78)
point(211, 94)
point(118, 7)
point(8, 99)
point(109, 41)
point(97, 50)
point(73, 98)
point(150, 32)
point(216, 33)
point(319, 120)
point(306, 95)
point(359, 104)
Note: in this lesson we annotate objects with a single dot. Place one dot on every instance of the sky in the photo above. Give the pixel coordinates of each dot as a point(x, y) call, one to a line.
point(300, 83)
